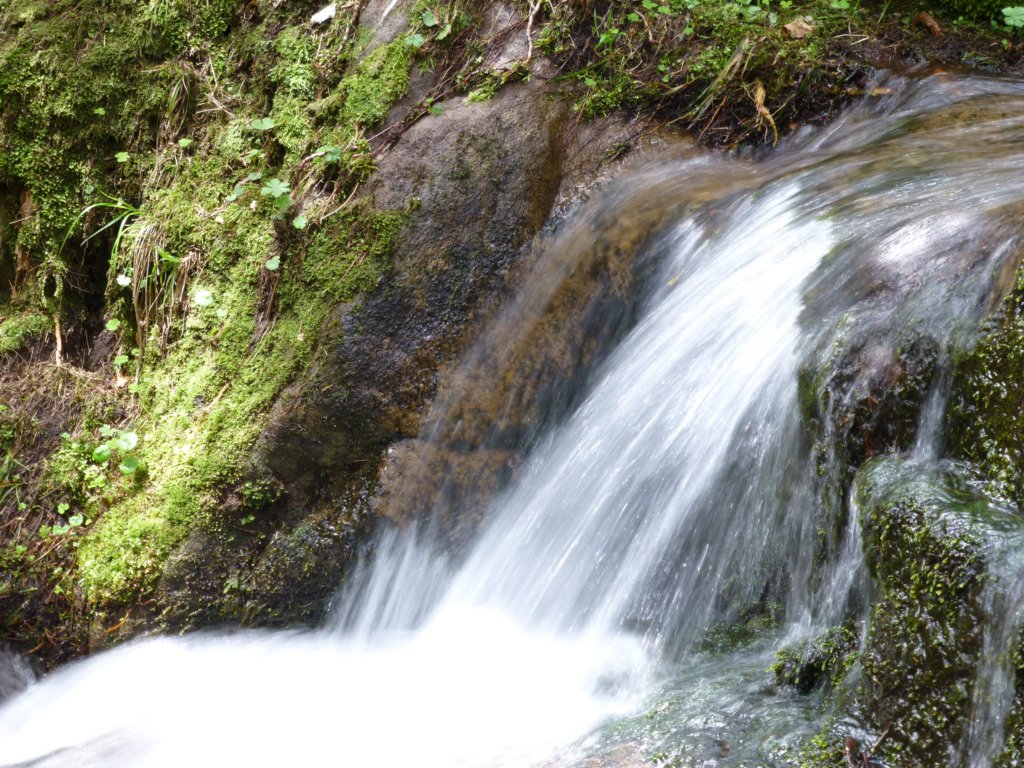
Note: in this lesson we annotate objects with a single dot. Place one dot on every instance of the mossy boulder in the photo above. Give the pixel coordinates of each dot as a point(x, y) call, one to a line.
point(936, 550)
point(986, 412)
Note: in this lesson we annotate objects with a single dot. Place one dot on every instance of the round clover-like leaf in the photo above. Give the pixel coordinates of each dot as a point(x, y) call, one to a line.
point(129, 465)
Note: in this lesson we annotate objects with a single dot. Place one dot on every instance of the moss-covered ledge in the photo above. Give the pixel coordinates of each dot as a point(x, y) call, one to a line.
point(940, 554)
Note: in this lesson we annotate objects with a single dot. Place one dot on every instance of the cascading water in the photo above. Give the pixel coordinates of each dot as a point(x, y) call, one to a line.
point(680, 490)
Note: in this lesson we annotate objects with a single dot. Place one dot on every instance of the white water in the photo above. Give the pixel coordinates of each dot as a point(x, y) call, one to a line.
point(662, 504)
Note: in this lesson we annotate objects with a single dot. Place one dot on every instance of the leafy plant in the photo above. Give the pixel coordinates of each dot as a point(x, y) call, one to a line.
point(278, 191)
point(1014, 17)
point(119, 445)
point(155, 277)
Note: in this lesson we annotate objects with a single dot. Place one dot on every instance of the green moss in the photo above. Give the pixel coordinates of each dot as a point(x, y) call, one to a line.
point(209, 370)
point(378, 82)
point(293, 73)
point(927, 538)
point(986, 414)
point(750, 625)
point(812, 663)
point(19, 330)
point(204, 402)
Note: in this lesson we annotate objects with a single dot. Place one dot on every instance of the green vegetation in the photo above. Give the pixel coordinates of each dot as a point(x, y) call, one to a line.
point(18, 330)
point(157, 191)
point(986, 414)
point(930, 542)
point(812, 663)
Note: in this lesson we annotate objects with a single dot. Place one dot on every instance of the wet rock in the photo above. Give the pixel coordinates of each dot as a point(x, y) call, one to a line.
point(816, 662)
point(574, 302)
point(937, 551)
point(868, 395)
point(478, 182)
point(15, 674)
point(986, 413)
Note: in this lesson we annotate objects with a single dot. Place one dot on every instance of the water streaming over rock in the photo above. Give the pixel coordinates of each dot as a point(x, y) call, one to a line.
point(697, 475)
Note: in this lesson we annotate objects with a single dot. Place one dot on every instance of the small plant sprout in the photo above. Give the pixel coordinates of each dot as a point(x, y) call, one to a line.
point(120, 444)
point(278, 191)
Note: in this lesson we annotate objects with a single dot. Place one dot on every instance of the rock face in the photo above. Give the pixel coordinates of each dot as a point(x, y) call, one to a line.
point(475, 186)
point(477, 182)
point(986, 417)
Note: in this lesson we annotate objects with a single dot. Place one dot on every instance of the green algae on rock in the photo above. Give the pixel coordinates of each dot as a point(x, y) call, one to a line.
point(937, 550)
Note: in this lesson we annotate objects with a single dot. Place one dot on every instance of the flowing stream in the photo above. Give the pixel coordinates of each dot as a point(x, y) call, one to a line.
point(678, 490)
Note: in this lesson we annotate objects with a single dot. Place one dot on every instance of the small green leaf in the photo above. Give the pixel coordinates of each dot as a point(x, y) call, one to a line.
point(330, 153)
point(444, 33)
point(1014, 16)
point(429, 19)
point(275, 188)
point(236, 193)
point(126, 441)
point(415, 40)
point(107, 431)
point(435, 109)
point(59, 530)
point(44, 531)
point(300, 222)
point(128, 466)
point(262, 124)
point(76, 520)
point(185, 143)
point(124, 281)
point(203, 298)
point(101, 453)
point(273, 263)
point(99, 111)
point(113, 324)
point(62, 508)
point(122, 157)
point(120, 360)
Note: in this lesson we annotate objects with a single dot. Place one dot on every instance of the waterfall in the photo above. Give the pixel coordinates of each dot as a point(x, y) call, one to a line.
point(677, 489)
